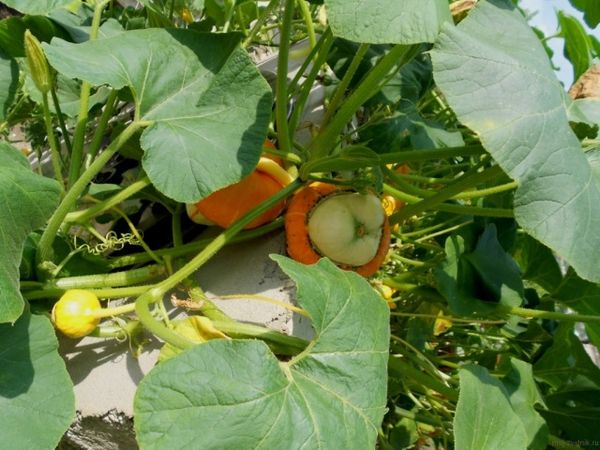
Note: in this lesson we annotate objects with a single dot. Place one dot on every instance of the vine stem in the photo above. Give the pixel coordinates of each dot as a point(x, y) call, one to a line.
point(446, 193)
point(345, 82)
point(61, 120)
point(428, 154)
point(123, 278)
point(403, 369)
point(290, 345)
point(84, 100)
point(143, 302)
point(293, 86)
point(551, 315)
point(291, 157)
point(54, 150)
point(447, 207)
point(260, 22)
point(120, 292)
point(102, 123)
point(442, 232)
point(264, 298)
point(449, 318)
point(85, 215)
point(192, 247)
point(465, 195)
point(283, 132)
point(230, 9)
point(308, 83)
point(114, 311)
point(393, 60)
point(310, 27)
point(118, 332)
point(417, 417)
point(68, 202)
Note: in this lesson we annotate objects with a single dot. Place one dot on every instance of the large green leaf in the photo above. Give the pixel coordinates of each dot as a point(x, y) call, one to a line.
point(579, 48)
point(36, 6)
point(36, 393)
point(576, 413)
point(387, 21)
point(78, 25)
point(524, 396)
point(591, 10)
point(585, 110)
point(583, 297)
point(497, 78)
point(237, 395)
point(12, 31)
point(27, 201)
point(455, 280)
point(477, 276)
point(9, 77)
point(208, 105)
point(498, 272)
point(566, 364)
point(68, 92)
point(484, 417)
point(537, 263)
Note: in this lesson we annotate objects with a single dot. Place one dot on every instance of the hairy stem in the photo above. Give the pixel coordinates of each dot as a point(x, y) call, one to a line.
point(68, 202)
point(283, 132)
point(61, 120)
point(54, 150)
point(340, 91)
point(326, 139)
point(86, 214)
point(84, 100)
point(448, 192)
point(100, 128)
point(551, 315)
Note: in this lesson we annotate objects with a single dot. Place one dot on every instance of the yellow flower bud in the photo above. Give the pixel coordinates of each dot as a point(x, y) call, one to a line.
point(38, 65)
point(187, 16)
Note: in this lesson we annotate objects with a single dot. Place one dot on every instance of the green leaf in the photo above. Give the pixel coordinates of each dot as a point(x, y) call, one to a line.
point(475, 282)
point(524, 396)
point(208, 117)
point(498, 271)
point(537, 262)
point(78, 25)
point(9, 78)
point(455, 280)
point(566, 363)
point(67, 91)
point(575, 413)
point(484, 418)
point(387, 21)
point(236, 394)
point(497, 78)
point(585, 110)
point(12, 30)
point(36, 393)
point(591, 10)
point(579, 48)
point(407, 128)
point(583, 297)
point(27, 200)
point(42, 7)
